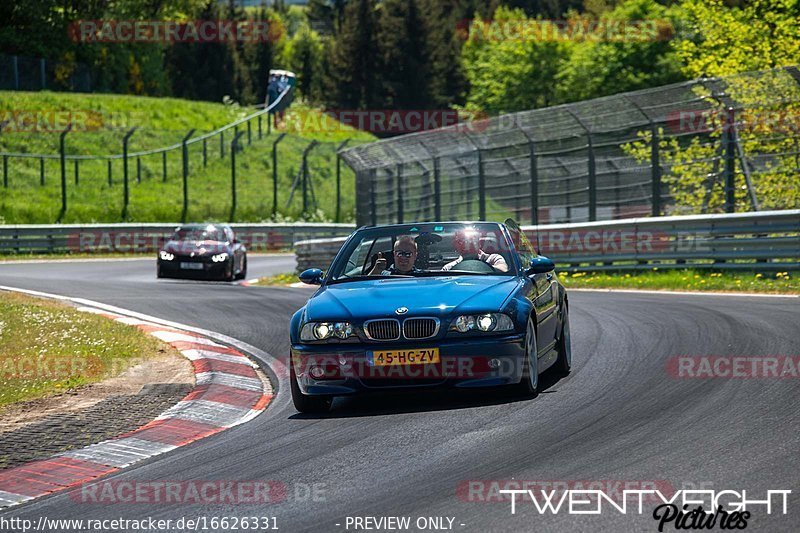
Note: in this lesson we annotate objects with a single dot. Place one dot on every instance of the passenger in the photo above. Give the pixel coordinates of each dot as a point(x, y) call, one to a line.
point(468, 244)
point(405, 255)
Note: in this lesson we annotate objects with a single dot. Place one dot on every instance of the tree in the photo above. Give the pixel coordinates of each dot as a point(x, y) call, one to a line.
point(304, 55)
point(354, 79)
point(404, 55)
point(508, 72)
point(625, 49)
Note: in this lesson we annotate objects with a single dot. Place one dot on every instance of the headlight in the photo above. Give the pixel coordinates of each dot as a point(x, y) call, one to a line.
point(166, 256)
point(485, 322)
point(465, 323)
point(319, 331)
point(219, 258)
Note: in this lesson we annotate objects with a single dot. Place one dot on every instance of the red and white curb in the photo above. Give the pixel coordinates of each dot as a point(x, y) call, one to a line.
point(227, 392)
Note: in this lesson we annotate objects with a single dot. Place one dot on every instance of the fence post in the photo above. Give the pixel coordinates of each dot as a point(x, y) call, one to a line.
point(164, 166)
point(730, 162)
point(138, 169)
point(185, 173)
point(5, 157)
point(655, 163)
point(110, 183)
point(437, 190)
point(275, 174)
point(125, 193)
point(222, 145)
point(63, 157)
point(259, 127)
point(76, 161)
point(205, 153)
point(15, 67)
point(534, 175)
point(305, 174)
point(41, 171)
point(249, 133)
point(234, 148)
point(400, 193)
point(339, 179)
point(591, 167)
point(42, 75)
point(372, 202)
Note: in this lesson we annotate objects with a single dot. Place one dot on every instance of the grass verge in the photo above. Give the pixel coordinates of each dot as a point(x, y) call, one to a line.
point(284, 279)
point(673, 280)
point(47, 347)
point(155, 196)
point(686, 280)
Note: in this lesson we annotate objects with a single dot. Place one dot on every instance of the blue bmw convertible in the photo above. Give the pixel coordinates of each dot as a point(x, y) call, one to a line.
point(434, 304)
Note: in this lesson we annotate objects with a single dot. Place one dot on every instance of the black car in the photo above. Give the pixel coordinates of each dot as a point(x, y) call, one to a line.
point(204, 251)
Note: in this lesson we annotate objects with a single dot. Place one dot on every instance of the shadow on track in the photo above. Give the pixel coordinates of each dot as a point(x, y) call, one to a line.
point(427, 400)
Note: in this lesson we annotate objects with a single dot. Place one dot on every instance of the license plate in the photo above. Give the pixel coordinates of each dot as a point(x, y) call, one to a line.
point(192, 266)
point(422, 356)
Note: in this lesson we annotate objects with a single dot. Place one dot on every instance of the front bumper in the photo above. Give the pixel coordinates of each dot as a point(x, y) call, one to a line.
point(464, 363)
point(207, 270)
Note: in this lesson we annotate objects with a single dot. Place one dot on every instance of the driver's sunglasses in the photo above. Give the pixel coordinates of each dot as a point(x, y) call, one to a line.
point(400, 253)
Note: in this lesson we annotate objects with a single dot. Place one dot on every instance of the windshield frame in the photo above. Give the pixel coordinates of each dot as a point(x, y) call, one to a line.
point(394, 230)
point(193, 230)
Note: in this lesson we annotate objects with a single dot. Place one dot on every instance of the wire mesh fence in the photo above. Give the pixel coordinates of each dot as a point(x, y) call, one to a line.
point(22, 73)
point(199, 176)
point(709, 145)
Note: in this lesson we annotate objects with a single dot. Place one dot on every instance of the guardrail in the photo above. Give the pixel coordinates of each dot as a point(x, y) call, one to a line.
point(140, 238)
point(768, 240)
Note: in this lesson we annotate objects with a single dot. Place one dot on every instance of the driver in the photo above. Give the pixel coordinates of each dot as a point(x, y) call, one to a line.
point(468, 244)
point(405, 255)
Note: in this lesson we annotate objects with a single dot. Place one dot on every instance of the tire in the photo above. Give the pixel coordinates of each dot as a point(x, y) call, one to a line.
point(231, 276)
point(243, 273)
point(158, 272)
point(304, 403)
point(529, 384)
point(563, 364)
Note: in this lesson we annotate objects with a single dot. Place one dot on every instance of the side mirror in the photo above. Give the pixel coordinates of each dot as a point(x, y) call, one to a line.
point(540, 265)
point(312, 276)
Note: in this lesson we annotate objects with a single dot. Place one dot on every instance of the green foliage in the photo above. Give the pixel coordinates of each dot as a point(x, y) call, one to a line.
point(721, 40)
point(354, 72)
point(638, 58)
point(304, 54)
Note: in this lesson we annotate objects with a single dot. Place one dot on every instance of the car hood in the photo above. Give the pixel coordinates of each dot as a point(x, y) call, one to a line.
point(197, 247)
point(438, 297)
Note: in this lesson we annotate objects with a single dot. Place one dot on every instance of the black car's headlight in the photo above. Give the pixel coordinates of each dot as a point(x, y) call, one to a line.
point(166, 256)
point(319, 331)
point(220, 258)
point(484, 322)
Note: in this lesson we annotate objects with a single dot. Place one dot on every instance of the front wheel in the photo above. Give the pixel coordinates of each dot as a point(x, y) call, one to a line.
point(303, 402)
point(228, 273)
point(243, 272)
point(529, 384)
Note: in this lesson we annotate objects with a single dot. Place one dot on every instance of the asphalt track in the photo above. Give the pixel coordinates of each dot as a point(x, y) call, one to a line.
point(619, 416)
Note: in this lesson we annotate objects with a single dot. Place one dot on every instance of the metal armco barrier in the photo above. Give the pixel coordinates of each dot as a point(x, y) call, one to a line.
point(768, 240)
point(134, 238)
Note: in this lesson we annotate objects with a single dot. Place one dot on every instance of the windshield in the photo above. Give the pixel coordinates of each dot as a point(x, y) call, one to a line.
point(194, 233)
point(426, 250)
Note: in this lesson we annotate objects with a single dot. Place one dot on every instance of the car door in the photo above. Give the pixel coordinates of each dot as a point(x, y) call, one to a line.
point(542, 293)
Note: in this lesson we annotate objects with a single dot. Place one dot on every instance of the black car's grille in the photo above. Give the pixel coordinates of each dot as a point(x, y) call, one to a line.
point(420, 328)
point(383, 330)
